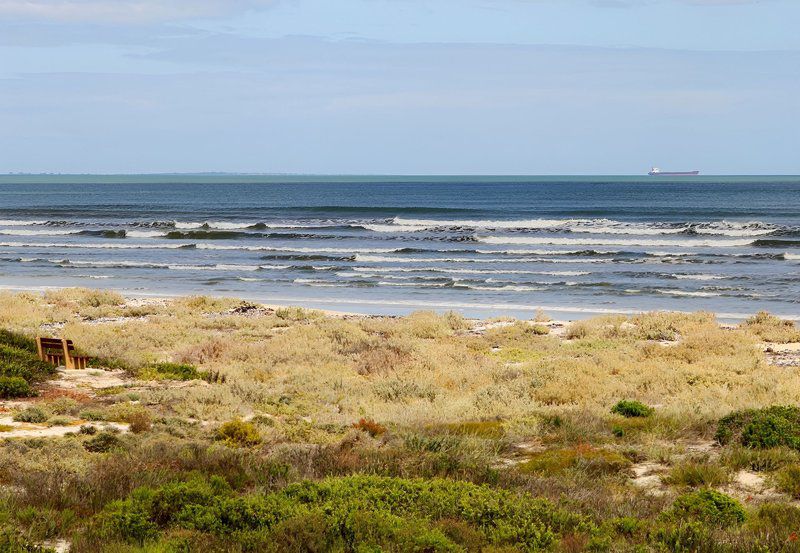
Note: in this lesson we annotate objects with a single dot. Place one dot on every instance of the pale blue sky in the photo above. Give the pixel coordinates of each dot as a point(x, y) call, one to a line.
point(400, 86)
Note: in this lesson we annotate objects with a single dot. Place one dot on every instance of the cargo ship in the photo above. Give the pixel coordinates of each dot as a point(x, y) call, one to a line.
point(656, 172)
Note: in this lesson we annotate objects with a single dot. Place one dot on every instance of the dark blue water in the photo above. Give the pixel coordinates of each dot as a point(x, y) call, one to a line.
point(569, 245)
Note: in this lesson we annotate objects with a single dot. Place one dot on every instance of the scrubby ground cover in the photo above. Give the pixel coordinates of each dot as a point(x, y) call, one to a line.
point(218, 425)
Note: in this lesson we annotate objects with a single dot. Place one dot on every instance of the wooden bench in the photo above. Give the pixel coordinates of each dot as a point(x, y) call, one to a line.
point(60, 351)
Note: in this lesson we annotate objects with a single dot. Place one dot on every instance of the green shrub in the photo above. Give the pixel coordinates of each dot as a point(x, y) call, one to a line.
point(20, 362)
point(174, 371)
point(708, 506)
point(358, 513)
point(626, 526)
point(788, 480)
point(631, 408)
point(759, 460)
point(102, 442)
point(34, 415)
point(695, 475)
point(17, 340)
point(59, 421)
point(778, 516)
point(682, 537)
point(63, 406)
point(771, 328)
point(540, 330)
point(594, 461)
point(237, 433)
point(761, 428)
point(93, 415)
point(14, 386)
point(490, 430)
point(12, 542)
point(139, 421)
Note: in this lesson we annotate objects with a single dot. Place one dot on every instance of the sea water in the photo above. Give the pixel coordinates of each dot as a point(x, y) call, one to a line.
point(572, 246)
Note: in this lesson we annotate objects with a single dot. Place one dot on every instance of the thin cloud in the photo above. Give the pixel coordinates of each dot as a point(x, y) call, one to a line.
point(640, 3)
point(123, 11)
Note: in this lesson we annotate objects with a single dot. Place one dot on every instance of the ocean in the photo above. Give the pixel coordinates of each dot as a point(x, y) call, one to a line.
point(484, 246)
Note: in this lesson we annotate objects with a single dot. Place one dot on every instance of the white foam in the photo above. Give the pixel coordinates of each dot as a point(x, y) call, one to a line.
point(520, 224)
point(545, 240)
point(599, 226)
point(411, 284)
point(94, 246)
point(144, 234)
point(384, 259)
point(183, 226)
point(120, 263)
point(730, 228)
point(669, 254)
point(394, 228)
point(223, 225)
point(460, 271)
point(791, 256)
point(205, 246)
point(627, 229)
point(542, 252)
point(699, 277)
point(508, 288)
point(688, 293)
point(319, 283)
point(48, 232)
point(220, 267)
point(565, 273)
point(17, 223)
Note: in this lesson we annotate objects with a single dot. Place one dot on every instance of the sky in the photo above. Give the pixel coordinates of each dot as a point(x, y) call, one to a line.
point(400, 86)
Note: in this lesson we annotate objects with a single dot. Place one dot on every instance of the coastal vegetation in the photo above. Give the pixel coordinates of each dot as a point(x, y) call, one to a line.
point(221, 425)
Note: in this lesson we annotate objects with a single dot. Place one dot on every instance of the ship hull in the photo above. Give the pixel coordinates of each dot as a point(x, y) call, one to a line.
point(673, 173)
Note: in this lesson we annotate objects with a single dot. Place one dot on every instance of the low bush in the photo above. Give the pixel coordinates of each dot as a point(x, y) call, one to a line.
point(34, 415)
point(540, 330)
point(63, 406)
point(12, 542)
point(595, 461)
point(697, 474)
point(14, 386)
point(371, 427)
point(771, 328)
point(759, 460)
point(17, 340)
point(482, 429)
point(139, 421)
point(23, 363)
point(788, 480)
point(102, 442)
point(778, 516)
point(708, 506)
point(631, 408)
point(59, 421)
point(769, 427)
point(172, 371)
point(237, 433)
point(686, 536)
point(358, 513)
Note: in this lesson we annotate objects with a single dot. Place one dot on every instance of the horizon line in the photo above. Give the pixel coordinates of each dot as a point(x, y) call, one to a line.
point(292, 174)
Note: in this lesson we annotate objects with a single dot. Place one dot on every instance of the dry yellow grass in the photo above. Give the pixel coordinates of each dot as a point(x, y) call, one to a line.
point(417, 370)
